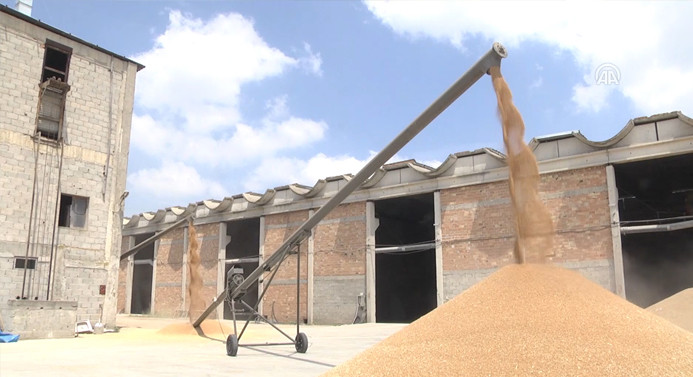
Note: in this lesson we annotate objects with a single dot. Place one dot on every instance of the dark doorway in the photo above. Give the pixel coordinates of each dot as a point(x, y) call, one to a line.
point(657, 265)
point(243, 251)
point(405, 263)
point(652, 190)
point(142, 275)
point(656, 194)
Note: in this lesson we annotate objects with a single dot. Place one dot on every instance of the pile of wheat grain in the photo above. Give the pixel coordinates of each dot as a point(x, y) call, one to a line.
point(208, 327)
point(677, 309)
point(531, 320)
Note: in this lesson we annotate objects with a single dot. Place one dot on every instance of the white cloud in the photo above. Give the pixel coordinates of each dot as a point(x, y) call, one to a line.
point(431, 163)
point(187, 99)
point(196, 69)
point(312, 62)
point(243, 144)
point(188, 120)
point(172, 181)
point(277, 171)
point(591, 97)
point(537, 83)
point(647, 41)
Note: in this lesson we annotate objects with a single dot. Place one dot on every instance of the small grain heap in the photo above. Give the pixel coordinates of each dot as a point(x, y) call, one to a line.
point(531, 319)
point(678, 309)
point(209, 328)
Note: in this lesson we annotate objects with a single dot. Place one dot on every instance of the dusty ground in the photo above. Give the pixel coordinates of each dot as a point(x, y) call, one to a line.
point(138, 350)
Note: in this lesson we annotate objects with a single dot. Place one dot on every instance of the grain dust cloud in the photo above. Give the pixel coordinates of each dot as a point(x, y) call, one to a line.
point(533, 225)
point(197, 304)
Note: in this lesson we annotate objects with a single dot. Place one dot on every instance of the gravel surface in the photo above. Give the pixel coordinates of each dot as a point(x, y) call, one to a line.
point(531, 319)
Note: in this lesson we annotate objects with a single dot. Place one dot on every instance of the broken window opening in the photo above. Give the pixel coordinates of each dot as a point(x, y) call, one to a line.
point(73, 211)
point(56, 61)
point(28, 263)
point(54, 88)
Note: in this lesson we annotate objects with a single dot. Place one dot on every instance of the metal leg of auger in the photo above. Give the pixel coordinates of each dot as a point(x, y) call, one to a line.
point(259, 300)
point(245, 304)
point(233, 316)
point(298, 289)
point(232, 340)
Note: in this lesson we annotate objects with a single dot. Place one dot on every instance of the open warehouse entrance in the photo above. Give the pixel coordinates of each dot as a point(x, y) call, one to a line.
point(405, 262)
point(142, 276)
point(656, 213)
point(243, 251)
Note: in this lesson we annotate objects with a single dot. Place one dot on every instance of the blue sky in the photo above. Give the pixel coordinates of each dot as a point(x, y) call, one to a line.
point(244, 96)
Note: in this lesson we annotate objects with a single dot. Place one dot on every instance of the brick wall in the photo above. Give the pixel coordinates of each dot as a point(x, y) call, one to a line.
point(208, 236)
point(281, 296)
point(340, 264)
point(169, 274)
point(478, 234)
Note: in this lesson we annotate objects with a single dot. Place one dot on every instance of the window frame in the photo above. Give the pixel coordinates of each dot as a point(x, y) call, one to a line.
point(55, 46)
point(69, 215)
point(26, 263)
point(53, 92)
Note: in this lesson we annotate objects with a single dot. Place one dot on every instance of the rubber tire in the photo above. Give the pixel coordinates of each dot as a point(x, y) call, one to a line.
point(231, 345)
point(301, 343)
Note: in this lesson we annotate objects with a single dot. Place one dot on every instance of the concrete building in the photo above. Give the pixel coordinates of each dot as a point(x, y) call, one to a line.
point(65, 113)
point(412, 237)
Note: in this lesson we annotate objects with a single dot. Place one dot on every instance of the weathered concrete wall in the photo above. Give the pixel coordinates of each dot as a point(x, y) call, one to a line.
point(123, 276)
point(40, 319)
point(340, 264)
point(91, 162)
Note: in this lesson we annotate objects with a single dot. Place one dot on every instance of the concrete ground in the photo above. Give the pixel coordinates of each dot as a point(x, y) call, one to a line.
point(138, 349)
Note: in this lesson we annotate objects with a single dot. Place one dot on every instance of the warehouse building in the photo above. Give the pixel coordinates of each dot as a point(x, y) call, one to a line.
point(65, 114)
point(412, 237)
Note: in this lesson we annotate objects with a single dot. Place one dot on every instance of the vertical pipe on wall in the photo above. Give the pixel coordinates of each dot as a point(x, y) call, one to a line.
point(31, 216)
point(107, 165)
point(438, 221)
point(371, 225)
point(55, 222)
point(612, 190)
point(311, 273)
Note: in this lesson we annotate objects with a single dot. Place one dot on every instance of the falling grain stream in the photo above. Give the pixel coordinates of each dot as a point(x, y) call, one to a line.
point(196, 303)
